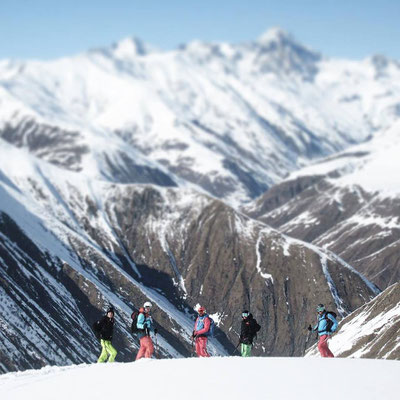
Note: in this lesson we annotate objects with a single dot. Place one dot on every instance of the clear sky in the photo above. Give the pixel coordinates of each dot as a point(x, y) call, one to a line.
point(46, 29)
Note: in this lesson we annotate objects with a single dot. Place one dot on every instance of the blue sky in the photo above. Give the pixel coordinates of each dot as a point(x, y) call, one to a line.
point(47, 29)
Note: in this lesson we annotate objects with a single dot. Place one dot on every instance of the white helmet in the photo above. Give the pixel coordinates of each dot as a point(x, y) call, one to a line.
point(147, 304)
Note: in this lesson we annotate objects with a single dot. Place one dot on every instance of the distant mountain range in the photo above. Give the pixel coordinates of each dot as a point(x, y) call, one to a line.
point(233, 176)
point(230, 119)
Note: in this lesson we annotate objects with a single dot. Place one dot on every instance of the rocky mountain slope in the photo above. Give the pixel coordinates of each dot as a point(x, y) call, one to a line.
point(348, 203)
point(372, 331)
point(71, 245)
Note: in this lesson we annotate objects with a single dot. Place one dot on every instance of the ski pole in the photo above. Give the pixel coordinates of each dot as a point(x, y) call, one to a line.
point(192, 346)
point(156, 347)
point(308, 337)
point(235, 349)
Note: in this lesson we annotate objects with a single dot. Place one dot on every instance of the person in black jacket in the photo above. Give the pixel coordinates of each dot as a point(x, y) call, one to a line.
point(104, 331)
point(248, 331)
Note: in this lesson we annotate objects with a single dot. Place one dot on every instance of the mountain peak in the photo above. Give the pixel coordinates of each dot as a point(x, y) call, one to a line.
point(279, 51)
point(275, 34)
point(131, 47)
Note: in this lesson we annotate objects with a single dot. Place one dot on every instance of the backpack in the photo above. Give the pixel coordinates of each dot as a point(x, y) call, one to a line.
point(210, 332)
point(329, 322)
point(96, 329)
point(256, 327)
point(134, 316)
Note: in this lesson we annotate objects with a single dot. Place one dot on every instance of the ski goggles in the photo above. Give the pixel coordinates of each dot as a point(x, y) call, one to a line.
point(245, 314)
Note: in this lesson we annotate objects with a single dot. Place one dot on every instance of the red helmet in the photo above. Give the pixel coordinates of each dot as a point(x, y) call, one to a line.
point(201, 309)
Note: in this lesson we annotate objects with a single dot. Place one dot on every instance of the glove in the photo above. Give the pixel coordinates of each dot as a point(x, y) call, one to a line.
point(155, 331)
point(309, 328)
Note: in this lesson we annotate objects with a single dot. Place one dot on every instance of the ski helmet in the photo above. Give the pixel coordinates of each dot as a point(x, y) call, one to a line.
point(320, 308)
point(147, 304)
point(201, 309)
point(110, 309)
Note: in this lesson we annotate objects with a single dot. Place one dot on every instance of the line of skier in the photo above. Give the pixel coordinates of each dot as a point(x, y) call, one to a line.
point(143, 326)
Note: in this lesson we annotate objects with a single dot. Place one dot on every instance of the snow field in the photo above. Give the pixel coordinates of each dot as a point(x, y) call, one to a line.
point(213, 378)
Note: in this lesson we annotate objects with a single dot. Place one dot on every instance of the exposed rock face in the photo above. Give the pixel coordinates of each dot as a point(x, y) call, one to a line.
point(372, 331)
point(58, 146)
point(348, 203)
point(361, 227)
point(70, 248)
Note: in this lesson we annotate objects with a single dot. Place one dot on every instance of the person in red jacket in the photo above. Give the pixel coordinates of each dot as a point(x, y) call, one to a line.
point(200, 332)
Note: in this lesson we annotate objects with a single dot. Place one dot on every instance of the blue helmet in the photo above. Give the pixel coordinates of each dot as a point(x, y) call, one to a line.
point(320, 308)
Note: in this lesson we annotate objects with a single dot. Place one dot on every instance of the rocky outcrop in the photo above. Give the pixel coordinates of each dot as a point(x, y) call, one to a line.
point(361, 227)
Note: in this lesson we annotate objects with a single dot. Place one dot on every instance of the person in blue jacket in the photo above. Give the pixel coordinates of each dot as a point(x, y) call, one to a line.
point(325, 326)
point(145, 326)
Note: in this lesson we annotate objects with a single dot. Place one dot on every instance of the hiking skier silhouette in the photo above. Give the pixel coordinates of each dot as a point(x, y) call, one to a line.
point(104, 329)
point(202, 329)
point(144, 327)
point(248, 330)
point(325, 326)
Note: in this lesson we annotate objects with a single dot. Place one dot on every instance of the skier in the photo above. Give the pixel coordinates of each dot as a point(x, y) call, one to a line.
point(200, 332)
point(145, 326)
point(325, 326)
point(104, 331)
point(248, 331)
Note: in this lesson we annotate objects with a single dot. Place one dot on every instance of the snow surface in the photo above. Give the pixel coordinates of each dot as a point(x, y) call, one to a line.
point(213, 378)
point(377, 171)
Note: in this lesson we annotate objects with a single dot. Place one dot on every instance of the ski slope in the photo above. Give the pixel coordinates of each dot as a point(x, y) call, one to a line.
point(214, 378)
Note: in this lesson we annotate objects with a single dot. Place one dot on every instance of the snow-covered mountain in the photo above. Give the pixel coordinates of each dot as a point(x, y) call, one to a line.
point(119, 170)
point(229, 377)
point(348, 203)
point(232, 119)
point(372, 331)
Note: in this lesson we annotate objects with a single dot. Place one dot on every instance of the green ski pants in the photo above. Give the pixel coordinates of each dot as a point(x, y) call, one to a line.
point(245, 350)
point(107, 351)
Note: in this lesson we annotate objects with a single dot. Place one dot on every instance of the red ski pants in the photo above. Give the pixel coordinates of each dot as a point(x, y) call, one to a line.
point(323, 347)
point(146, 348)
point(201, 346)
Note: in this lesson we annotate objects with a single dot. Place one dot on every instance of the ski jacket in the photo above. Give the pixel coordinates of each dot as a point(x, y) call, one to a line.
point(248, 330)
point(105, 327)
point(202, 325)
point(144, 323)
point(321, 326)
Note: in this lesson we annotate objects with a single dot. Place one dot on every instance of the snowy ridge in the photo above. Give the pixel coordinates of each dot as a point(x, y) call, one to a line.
point(374, 170)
